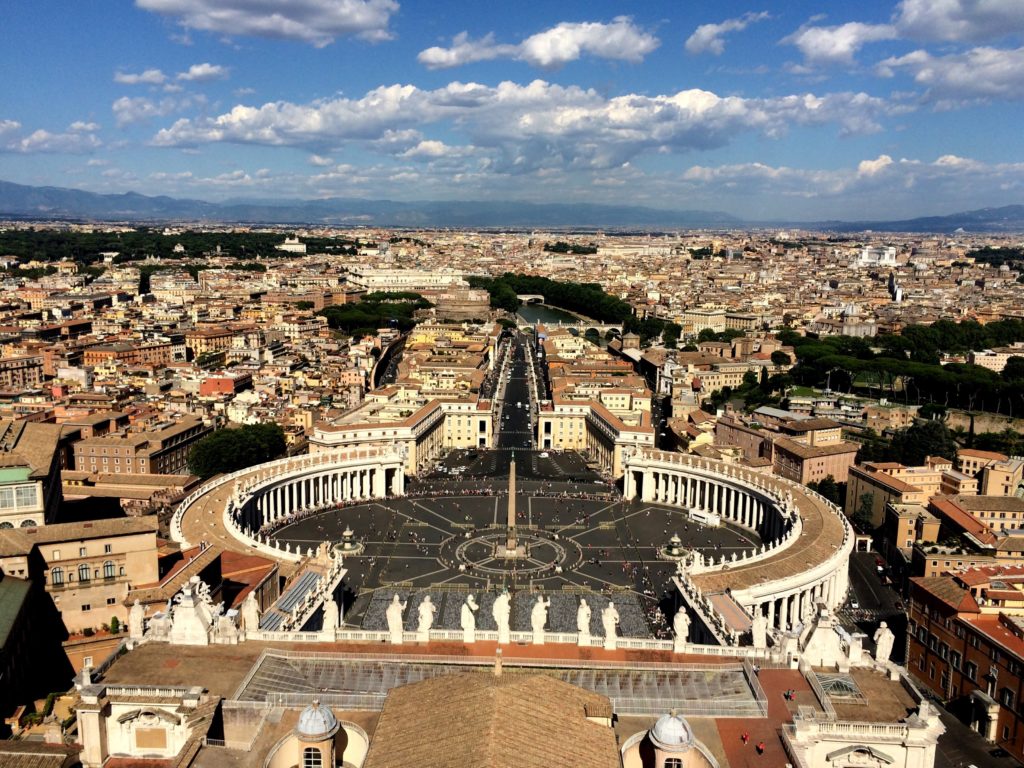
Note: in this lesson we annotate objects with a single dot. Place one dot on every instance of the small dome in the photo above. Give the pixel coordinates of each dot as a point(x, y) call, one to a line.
point(672, 733)
point(316, 723)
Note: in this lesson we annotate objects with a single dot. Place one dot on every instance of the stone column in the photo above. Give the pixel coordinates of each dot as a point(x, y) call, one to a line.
point(771, 613)
point(783, 612)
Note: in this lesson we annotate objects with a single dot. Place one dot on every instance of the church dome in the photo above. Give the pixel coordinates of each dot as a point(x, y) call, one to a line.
point(316, 723)
point(672, 733)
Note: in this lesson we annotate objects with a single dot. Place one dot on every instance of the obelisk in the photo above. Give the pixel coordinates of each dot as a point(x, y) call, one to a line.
point(512, 546)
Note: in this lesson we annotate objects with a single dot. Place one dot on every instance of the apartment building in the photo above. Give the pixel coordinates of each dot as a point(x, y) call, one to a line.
point(162, 450)
point(87, 568)
point(21, 372)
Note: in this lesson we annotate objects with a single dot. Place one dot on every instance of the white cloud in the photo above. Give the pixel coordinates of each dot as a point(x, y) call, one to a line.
point(80, 125)
point(960, 20)
point(532, 125)
point(980, 73)
point(318, 22)
point(620, 40)
point(138, 109)
point(837, 45)
point(43, 141)
point(874, 189)
point(320, 161)
point(709, 38)
point(148, 77)
point(201, 73)
point(873, 167)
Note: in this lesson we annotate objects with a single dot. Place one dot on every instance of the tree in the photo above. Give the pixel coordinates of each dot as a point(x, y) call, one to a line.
point(863, 513)
point(227, 450)
point(827, 487)
point(930, 438)
point(115, 625)
point(780, 358)
point(1014, 370)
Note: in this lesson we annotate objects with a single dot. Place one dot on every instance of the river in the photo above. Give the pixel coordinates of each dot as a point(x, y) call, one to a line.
point(542, 313)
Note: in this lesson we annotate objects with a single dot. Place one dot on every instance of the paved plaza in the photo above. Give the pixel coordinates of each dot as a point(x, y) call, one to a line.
point(444, 544)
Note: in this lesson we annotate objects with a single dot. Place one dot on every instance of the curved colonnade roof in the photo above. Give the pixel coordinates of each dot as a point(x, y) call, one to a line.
point(820, 537)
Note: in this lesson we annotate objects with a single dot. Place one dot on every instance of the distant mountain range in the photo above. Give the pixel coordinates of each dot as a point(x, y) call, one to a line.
point(56, 202)
point(21, 201)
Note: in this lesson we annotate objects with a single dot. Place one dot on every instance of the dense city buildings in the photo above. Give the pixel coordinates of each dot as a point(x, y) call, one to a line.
point(668, 481)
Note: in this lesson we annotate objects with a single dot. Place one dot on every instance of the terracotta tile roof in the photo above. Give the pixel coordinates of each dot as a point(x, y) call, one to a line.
point(477, 719)
point(945, 589)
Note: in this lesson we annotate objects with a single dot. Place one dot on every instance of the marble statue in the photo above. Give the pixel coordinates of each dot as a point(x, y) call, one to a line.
point(426, 616)
point(468, 621)
point(538, 618)
point(884, 639)
point(501, 610)
point(332, 616)
point(583, 617)
point(610, 622)
point(395, 621)
point(136, 621)
point(759, 629)
point(681, 628)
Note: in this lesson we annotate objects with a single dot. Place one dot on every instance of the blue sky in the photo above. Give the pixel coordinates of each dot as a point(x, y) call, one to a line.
point(798, 110)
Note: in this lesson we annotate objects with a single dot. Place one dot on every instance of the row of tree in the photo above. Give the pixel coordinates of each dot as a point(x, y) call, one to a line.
point(365, 317)
point(228, 450)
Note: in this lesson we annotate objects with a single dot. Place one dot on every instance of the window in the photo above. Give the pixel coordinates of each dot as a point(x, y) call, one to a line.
point(108, 570)
point(1006, 698)
point(674, 762)
point(970, 670)
point(83, 572)
point(57, 577)
point(311, 758)
point(111, 600)
point(82, 552)
point(26, 496)
point(107, 549)
point(120, 571)
point(86, 608)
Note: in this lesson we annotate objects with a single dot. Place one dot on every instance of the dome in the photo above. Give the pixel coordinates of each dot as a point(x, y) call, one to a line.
point(672, 733)
point(316, 723)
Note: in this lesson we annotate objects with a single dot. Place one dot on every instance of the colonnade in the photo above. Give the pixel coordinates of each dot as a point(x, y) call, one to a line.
point(738, 503)
point(785, 594)
point(324, 486)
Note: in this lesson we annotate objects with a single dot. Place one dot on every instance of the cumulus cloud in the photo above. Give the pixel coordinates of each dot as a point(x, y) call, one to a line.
point(42, 141)
point(320, 161)
point(959, 20)
point(620, 40)
point(318, 22)
point(837, 45)
point(528, 126)
point(201, 73)
point(81, 125)
point(139, 109)
point(710, 38)
point(980, 73)
point(147, 77)
point(873, 188)
point(873, 167)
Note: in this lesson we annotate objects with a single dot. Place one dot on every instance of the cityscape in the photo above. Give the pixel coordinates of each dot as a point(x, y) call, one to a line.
point(387, 385)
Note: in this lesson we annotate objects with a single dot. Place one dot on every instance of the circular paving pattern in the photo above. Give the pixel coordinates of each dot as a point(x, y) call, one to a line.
point(483, 554)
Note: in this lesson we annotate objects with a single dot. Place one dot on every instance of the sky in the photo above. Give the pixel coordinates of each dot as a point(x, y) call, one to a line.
point(798, 110)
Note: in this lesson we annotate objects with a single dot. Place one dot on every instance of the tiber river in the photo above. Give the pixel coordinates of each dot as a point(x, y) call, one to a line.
point(542, 313)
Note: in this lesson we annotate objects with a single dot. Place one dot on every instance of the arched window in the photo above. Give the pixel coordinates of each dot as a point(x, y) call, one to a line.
point(28, 523)
point(83, 572)
point(674, 762)
point(108, 570)
point(311, 758)
point(5, 525)
point(57, 577)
